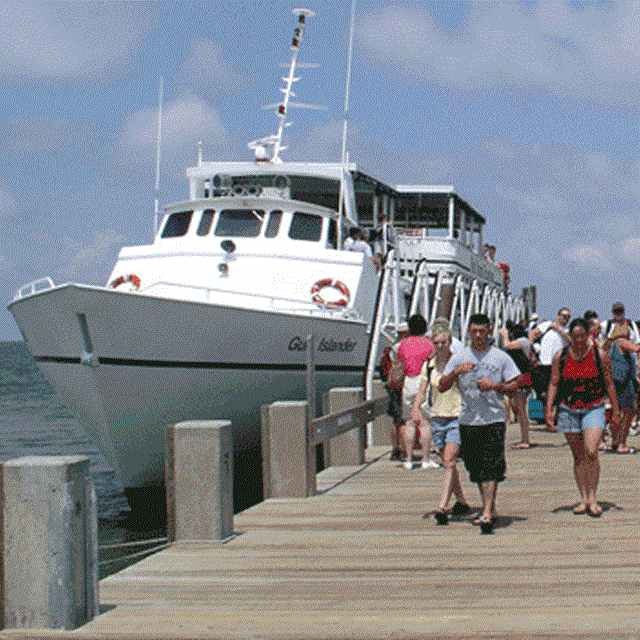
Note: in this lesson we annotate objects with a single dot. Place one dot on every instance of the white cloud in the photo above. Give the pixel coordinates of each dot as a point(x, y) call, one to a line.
point(8, 204)
point(90, 262)
point(629, 251)
point(596, 256)
point(68, 39)
point(185, 121)
point(206, 66)
point(587, 51)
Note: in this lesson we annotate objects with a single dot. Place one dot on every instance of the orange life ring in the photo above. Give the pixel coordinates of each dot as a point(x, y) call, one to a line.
point(132, 278)
point(343, 301)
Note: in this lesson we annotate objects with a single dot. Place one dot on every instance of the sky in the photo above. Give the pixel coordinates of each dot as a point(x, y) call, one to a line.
point(530, 109)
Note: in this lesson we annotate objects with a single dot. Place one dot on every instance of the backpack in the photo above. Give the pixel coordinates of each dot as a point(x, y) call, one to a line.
point(384, 366)
point(622, 366)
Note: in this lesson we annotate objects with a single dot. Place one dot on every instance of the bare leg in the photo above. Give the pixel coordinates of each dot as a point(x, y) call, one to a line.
point(625, 425)
point(592, 469)
point(488, 490)
point(451, 480)
point(407, 438)
point(425, 439)
point(519, 407)
point(576, 444)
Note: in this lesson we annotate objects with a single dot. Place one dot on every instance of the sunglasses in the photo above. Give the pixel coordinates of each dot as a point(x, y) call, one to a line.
point(439, 343)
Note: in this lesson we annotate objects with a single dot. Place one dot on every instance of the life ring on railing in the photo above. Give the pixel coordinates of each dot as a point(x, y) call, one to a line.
point(339, 286)
point(132, 278)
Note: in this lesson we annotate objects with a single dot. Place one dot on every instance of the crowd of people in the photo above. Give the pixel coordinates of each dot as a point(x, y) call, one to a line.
point(456, 400)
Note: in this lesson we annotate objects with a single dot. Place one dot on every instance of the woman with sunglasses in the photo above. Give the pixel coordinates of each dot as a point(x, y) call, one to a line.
point(445, 431)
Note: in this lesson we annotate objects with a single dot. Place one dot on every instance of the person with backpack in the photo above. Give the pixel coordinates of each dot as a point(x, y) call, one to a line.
point(394, 408)
point(517, 345)
point(580, 381)
point(553, 337)
point(623, 372)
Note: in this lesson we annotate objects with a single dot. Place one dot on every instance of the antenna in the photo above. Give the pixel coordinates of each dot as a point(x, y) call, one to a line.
point(347, 90)
point(282, 108)
point(156, 205)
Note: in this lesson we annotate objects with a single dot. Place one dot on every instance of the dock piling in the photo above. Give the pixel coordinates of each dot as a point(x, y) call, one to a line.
point(199, 480)
point(49, 543)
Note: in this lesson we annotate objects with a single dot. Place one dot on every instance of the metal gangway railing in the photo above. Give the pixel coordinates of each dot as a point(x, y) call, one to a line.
point(428, 293)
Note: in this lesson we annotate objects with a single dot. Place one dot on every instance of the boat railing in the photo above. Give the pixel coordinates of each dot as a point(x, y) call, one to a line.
point(37, 286)
point(272, 299)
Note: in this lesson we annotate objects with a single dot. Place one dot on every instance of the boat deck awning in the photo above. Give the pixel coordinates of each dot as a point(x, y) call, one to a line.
point(429, 206)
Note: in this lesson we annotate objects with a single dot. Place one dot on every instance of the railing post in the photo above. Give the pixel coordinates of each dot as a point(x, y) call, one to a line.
point(285, 450)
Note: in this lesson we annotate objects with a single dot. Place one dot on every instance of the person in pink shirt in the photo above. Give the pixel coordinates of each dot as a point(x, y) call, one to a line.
point(414, 351)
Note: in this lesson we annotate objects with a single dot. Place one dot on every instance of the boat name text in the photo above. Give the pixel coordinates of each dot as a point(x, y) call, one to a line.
point(326, 344)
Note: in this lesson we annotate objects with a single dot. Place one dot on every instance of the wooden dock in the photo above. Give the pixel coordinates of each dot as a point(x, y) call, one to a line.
point(360, 561)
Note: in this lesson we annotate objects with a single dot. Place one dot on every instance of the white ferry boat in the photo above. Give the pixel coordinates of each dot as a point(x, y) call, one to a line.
point(210, 321)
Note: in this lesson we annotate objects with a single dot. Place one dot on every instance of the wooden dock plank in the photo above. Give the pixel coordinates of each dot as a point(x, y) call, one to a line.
point(359, 560)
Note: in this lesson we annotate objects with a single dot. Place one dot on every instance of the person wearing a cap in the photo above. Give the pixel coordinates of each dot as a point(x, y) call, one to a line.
point(617, 311)
point(533, 322)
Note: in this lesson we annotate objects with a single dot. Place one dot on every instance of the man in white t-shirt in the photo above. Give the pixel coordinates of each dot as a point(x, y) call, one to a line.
point(484, 374)
point(554, 337)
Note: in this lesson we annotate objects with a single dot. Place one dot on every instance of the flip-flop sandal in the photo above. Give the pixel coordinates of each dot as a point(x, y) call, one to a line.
point(597, 513)
point(441, 517)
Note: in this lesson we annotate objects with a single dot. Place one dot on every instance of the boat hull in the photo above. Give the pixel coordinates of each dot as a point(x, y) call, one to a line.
point(154, 361)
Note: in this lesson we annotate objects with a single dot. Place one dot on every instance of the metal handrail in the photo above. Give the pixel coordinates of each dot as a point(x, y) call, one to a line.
point(33, 287)
point(270, 297)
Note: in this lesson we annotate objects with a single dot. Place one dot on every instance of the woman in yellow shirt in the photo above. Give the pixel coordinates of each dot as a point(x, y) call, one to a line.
point(445, 410)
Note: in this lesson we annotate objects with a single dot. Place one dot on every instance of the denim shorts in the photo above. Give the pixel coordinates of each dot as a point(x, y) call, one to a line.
point(444, 430)
point(577, 420)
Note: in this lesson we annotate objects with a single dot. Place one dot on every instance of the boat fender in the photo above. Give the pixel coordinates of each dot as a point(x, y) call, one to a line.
point(132, 278)
point(339, 286)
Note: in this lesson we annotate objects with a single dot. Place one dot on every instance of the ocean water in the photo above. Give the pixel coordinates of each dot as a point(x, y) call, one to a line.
point(33, 421)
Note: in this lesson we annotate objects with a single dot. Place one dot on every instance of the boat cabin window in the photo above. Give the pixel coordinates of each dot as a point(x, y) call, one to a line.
point(273, 224)
point(333, 234)
point(305, 226)
point(240, 223)
point(205, 222)
point(177, 224)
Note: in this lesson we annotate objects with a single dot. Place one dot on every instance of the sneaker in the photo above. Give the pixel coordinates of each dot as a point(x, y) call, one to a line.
point(429, 464)
point(396, 455)
point(408, 465)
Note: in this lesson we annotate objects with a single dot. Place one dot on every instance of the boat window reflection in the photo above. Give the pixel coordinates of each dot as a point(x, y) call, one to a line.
point(205, 222)
point(305, 226)
point(273, 225)
point(239, 223)
point(177, 224)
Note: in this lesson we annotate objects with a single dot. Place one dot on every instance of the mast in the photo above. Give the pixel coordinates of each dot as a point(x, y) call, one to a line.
point(282, 108)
